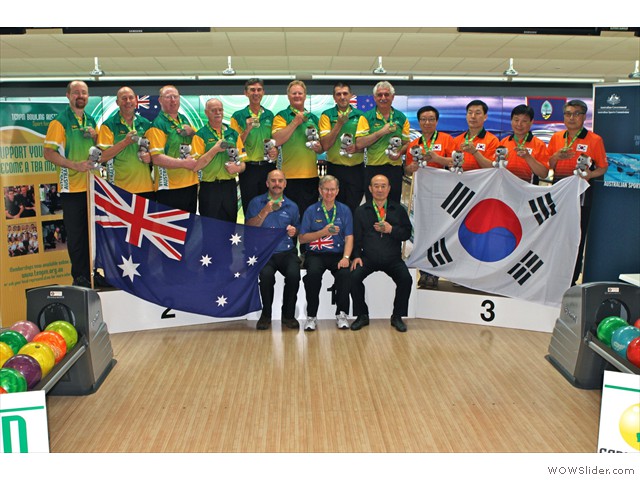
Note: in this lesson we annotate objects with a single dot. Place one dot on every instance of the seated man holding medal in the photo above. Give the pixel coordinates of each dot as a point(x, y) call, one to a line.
point(327, 229)
point(380, 227)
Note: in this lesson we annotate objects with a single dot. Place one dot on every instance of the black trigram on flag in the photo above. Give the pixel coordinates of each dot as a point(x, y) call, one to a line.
point(542, 208)
point(438, 254)
point(526, 267)
point(459, 197)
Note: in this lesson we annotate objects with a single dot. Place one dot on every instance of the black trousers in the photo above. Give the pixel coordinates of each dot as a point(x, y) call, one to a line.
point(183, 198)
point(76, 224)
point(253, 181)
point(393, 173)
point(288, 264)
point(303, 191)
point(316, 265)
point(219, 199)
point(352, 183)
point(398, 272)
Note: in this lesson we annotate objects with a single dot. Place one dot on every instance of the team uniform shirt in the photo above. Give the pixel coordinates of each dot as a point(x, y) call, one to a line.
point(372, 121)
point(254, 143)
point(442, 145)
point(485, 142)
point(517, 165)
point(65, 134)
point(298, 161)
point(126, 170)
point(204, 140)
point(587, 143)
point(164, 138)
point(327, 121)
point(314, 219)
point(288, 214)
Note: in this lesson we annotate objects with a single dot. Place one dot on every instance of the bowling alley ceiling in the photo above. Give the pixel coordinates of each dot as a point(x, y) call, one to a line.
point(307, 52)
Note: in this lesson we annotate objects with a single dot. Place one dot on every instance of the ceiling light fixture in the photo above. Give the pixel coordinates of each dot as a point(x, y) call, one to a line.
point(229, 70)
point(358, 77)
point(97, 71)
point(379, 70)
point(511, 72)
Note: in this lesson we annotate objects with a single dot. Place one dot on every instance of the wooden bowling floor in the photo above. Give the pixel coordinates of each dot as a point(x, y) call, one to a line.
point(225, 387)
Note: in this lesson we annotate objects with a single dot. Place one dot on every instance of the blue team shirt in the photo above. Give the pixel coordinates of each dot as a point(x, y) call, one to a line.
point(287, 215)
point(314, 219)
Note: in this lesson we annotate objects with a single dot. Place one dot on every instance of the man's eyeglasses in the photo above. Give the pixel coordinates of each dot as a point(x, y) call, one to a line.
point(171, 97)
point(573, 114)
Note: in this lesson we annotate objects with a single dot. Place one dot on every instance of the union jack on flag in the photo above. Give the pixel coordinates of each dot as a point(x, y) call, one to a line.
point(143, 102)
point(322, 243)
point(158, 227)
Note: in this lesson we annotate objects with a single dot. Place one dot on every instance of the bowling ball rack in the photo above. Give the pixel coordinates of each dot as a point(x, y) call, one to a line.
point(608, 354)
point(85, 367)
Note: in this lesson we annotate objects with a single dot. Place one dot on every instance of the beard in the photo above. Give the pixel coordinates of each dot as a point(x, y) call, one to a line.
point(80, 103)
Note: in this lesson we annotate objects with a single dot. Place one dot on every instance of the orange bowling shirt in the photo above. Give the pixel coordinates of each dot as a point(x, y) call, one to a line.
point(485, 142)
point(587, 143)
point(517, 165)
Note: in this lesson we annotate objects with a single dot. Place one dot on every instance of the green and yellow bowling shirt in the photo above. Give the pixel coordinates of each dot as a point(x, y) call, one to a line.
point(126, 170)
point(327, 121)
point(204, 140)
point(371, 122)
point(65, 134)
point(254, 143)
point(298, 161)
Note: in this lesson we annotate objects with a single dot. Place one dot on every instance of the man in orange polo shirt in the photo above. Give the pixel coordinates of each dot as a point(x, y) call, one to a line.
point(564, 149)
point(527, 154)
point(478, 145)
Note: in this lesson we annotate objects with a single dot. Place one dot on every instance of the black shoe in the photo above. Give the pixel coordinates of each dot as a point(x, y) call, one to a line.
point(100, 282)
point(291, 323)
point(361, 321)
point(431, 282)
point(81, 282)
point(263, 323)
point(397, 323)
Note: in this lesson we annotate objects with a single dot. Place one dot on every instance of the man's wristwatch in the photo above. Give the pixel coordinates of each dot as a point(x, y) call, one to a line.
point(346, 256)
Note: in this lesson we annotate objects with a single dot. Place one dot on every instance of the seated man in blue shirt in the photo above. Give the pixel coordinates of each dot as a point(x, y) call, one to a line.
point(327, 228)
point(274, 210)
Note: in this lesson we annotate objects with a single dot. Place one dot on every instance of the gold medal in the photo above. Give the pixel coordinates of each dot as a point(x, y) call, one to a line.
point(392, 127)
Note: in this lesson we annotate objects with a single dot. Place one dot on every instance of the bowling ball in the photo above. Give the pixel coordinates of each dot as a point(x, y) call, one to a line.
point(621, 338)
point(633, 352)
point(607, 327)
point(55, 341)
point(26, 328)
point(28, 367)
point(43, 355)
point(12, 380)
point(6, 352)
point(14, 339)
point(68, 332)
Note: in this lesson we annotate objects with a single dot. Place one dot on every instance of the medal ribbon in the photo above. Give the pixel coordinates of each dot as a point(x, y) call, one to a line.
point(427, 147)
point(520, 144)
point(173, 121)
point(381, 212)
point(326, 214)
point(566, 139)
point(133, 123)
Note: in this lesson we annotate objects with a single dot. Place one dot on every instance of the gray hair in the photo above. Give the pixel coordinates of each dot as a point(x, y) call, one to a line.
point(328, 178)
point(384, 84)
point(576, 103)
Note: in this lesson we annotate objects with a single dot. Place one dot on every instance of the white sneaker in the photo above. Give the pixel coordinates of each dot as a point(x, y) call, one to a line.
point(341, 320)
point(311, 323)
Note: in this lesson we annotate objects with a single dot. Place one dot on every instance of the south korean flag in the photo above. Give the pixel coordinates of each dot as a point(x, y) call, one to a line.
point(491, 231)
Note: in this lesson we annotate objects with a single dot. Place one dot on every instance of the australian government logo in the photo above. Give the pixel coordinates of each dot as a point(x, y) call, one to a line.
point(613, 106)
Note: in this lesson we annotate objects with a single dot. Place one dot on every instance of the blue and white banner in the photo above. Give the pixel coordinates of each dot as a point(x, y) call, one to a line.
point(488, 230)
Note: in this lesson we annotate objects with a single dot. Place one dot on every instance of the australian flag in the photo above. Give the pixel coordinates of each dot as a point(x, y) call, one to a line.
point(488, 230)
point(176, 259)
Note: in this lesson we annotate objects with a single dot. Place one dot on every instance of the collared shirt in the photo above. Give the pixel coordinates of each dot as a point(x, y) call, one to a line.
point(369, 243)
point(204, 140)
point(288, 214)
point(518, 165)
point(485, 142)
point(442, 145)
point(298, 161)
point(126, 170)
point(66, 135)
point(314, 219)
point(370, 122)
point(164, 138)
point(328, 120)
point(254, 143)
point(587, 143)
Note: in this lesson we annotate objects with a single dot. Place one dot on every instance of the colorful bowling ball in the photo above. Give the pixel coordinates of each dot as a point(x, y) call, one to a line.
point(621, 338)
point(6, 352)
point(633, 352)
point(12, 380)
point(43, 355)
point(28, 367)
point(607, 327)
point(14, 339)
point(68, 332)
point(26, 328)
point(55, 341)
